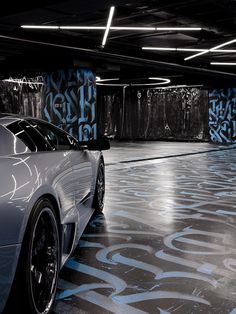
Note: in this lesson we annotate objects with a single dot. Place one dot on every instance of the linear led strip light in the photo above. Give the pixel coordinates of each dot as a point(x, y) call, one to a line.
point(188, 49)
point(121, 28)
point(223, 63)
point(214, 49)
point(109, 27)
point(112, 9)
point(160, 81)
point(172, 49)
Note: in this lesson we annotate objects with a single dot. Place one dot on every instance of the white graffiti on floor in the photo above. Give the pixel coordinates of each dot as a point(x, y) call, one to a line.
point(185, 210)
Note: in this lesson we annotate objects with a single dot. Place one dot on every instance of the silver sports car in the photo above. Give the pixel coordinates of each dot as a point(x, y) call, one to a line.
point(49, 188)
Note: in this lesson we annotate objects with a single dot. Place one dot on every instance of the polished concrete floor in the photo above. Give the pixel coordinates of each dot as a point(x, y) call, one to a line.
point(166, 241)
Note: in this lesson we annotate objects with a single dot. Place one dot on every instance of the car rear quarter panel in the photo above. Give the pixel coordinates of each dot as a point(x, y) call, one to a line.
point(27, 177)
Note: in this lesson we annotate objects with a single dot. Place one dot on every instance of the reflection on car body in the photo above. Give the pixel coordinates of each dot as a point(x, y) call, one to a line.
point(49, 188)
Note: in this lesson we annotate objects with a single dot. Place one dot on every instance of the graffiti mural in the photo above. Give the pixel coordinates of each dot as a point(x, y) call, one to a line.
point(70, 100)
point(222, 115)
point(165, 244)
point(66, 98)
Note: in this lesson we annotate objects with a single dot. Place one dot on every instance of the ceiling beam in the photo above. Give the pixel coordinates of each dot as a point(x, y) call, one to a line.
point(126, 59)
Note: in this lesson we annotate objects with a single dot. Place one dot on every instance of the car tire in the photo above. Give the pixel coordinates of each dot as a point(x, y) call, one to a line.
point(98, 200)
point(36, 278)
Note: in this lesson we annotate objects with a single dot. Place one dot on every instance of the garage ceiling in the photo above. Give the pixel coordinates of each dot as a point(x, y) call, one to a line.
point(25, 50)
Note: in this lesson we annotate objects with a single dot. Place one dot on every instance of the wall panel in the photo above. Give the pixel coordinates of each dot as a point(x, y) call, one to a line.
point(178, 114)
point(222, 115)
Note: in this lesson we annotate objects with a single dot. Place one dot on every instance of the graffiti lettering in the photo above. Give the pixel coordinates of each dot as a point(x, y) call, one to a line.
point(70, 99)
point(222, 115)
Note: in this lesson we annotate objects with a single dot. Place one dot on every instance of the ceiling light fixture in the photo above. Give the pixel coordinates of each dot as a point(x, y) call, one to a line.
point(223, 63)
point(178, 28)
point(116, 84)
point(211, 50)
point(189, 49)
point(112, 9)
point(172, 49)
point(122, 28)
point(131, 28)
point(108, 79)
point(40, 26)
point(100, 81)
point(225, 50)
point(83, 27)
point(159, 48)
point(160, 79)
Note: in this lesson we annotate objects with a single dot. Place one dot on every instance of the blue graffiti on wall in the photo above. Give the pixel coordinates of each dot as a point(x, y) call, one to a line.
point(70, 101)
point(222, 115)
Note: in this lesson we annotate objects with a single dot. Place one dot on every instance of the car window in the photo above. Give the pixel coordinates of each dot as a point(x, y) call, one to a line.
point(20, 133)
point(36, 137)
point(57, 138)
point(13, 140)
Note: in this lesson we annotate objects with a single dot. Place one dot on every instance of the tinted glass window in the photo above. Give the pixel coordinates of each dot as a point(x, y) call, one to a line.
point(14, 141)
point(57, 138)
point(35, 136)
point(20, 133)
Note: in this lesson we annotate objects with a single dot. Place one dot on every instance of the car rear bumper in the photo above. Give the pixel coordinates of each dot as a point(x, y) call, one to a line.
point(8, 261)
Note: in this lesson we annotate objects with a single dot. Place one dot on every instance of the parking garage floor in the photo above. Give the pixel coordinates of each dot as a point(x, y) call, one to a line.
point(165, 242)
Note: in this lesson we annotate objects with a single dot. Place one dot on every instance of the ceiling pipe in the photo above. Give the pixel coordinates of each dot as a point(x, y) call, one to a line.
point(129, 59)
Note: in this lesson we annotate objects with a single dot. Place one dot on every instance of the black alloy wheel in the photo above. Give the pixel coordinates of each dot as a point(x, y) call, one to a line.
point(36, 279)
point(44, 261)
point(98, 202)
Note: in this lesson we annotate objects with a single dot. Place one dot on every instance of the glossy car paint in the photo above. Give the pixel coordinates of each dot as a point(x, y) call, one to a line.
point(66, 177)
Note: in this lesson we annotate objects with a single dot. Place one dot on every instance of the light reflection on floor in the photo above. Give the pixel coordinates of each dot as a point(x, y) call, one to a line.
point(165, 243)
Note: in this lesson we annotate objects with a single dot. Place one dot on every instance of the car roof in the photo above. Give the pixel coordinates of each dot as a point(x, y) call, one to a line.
point(6, 118)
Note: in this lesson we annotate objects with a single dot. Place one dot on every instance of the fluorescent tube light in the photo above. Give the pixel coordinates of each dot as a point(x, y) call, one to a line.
point(40, 26)
point(196, 55)
point(172, 49)
point(190, 49)
point(160, 79)
point(178, 28)
point(224, 44)
point(159, 48)
point(124, 28)
point(112, 9)
point(83, 27)
point(223, 63)
point(211, 50)
point(226, 50)
point(132, 28)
